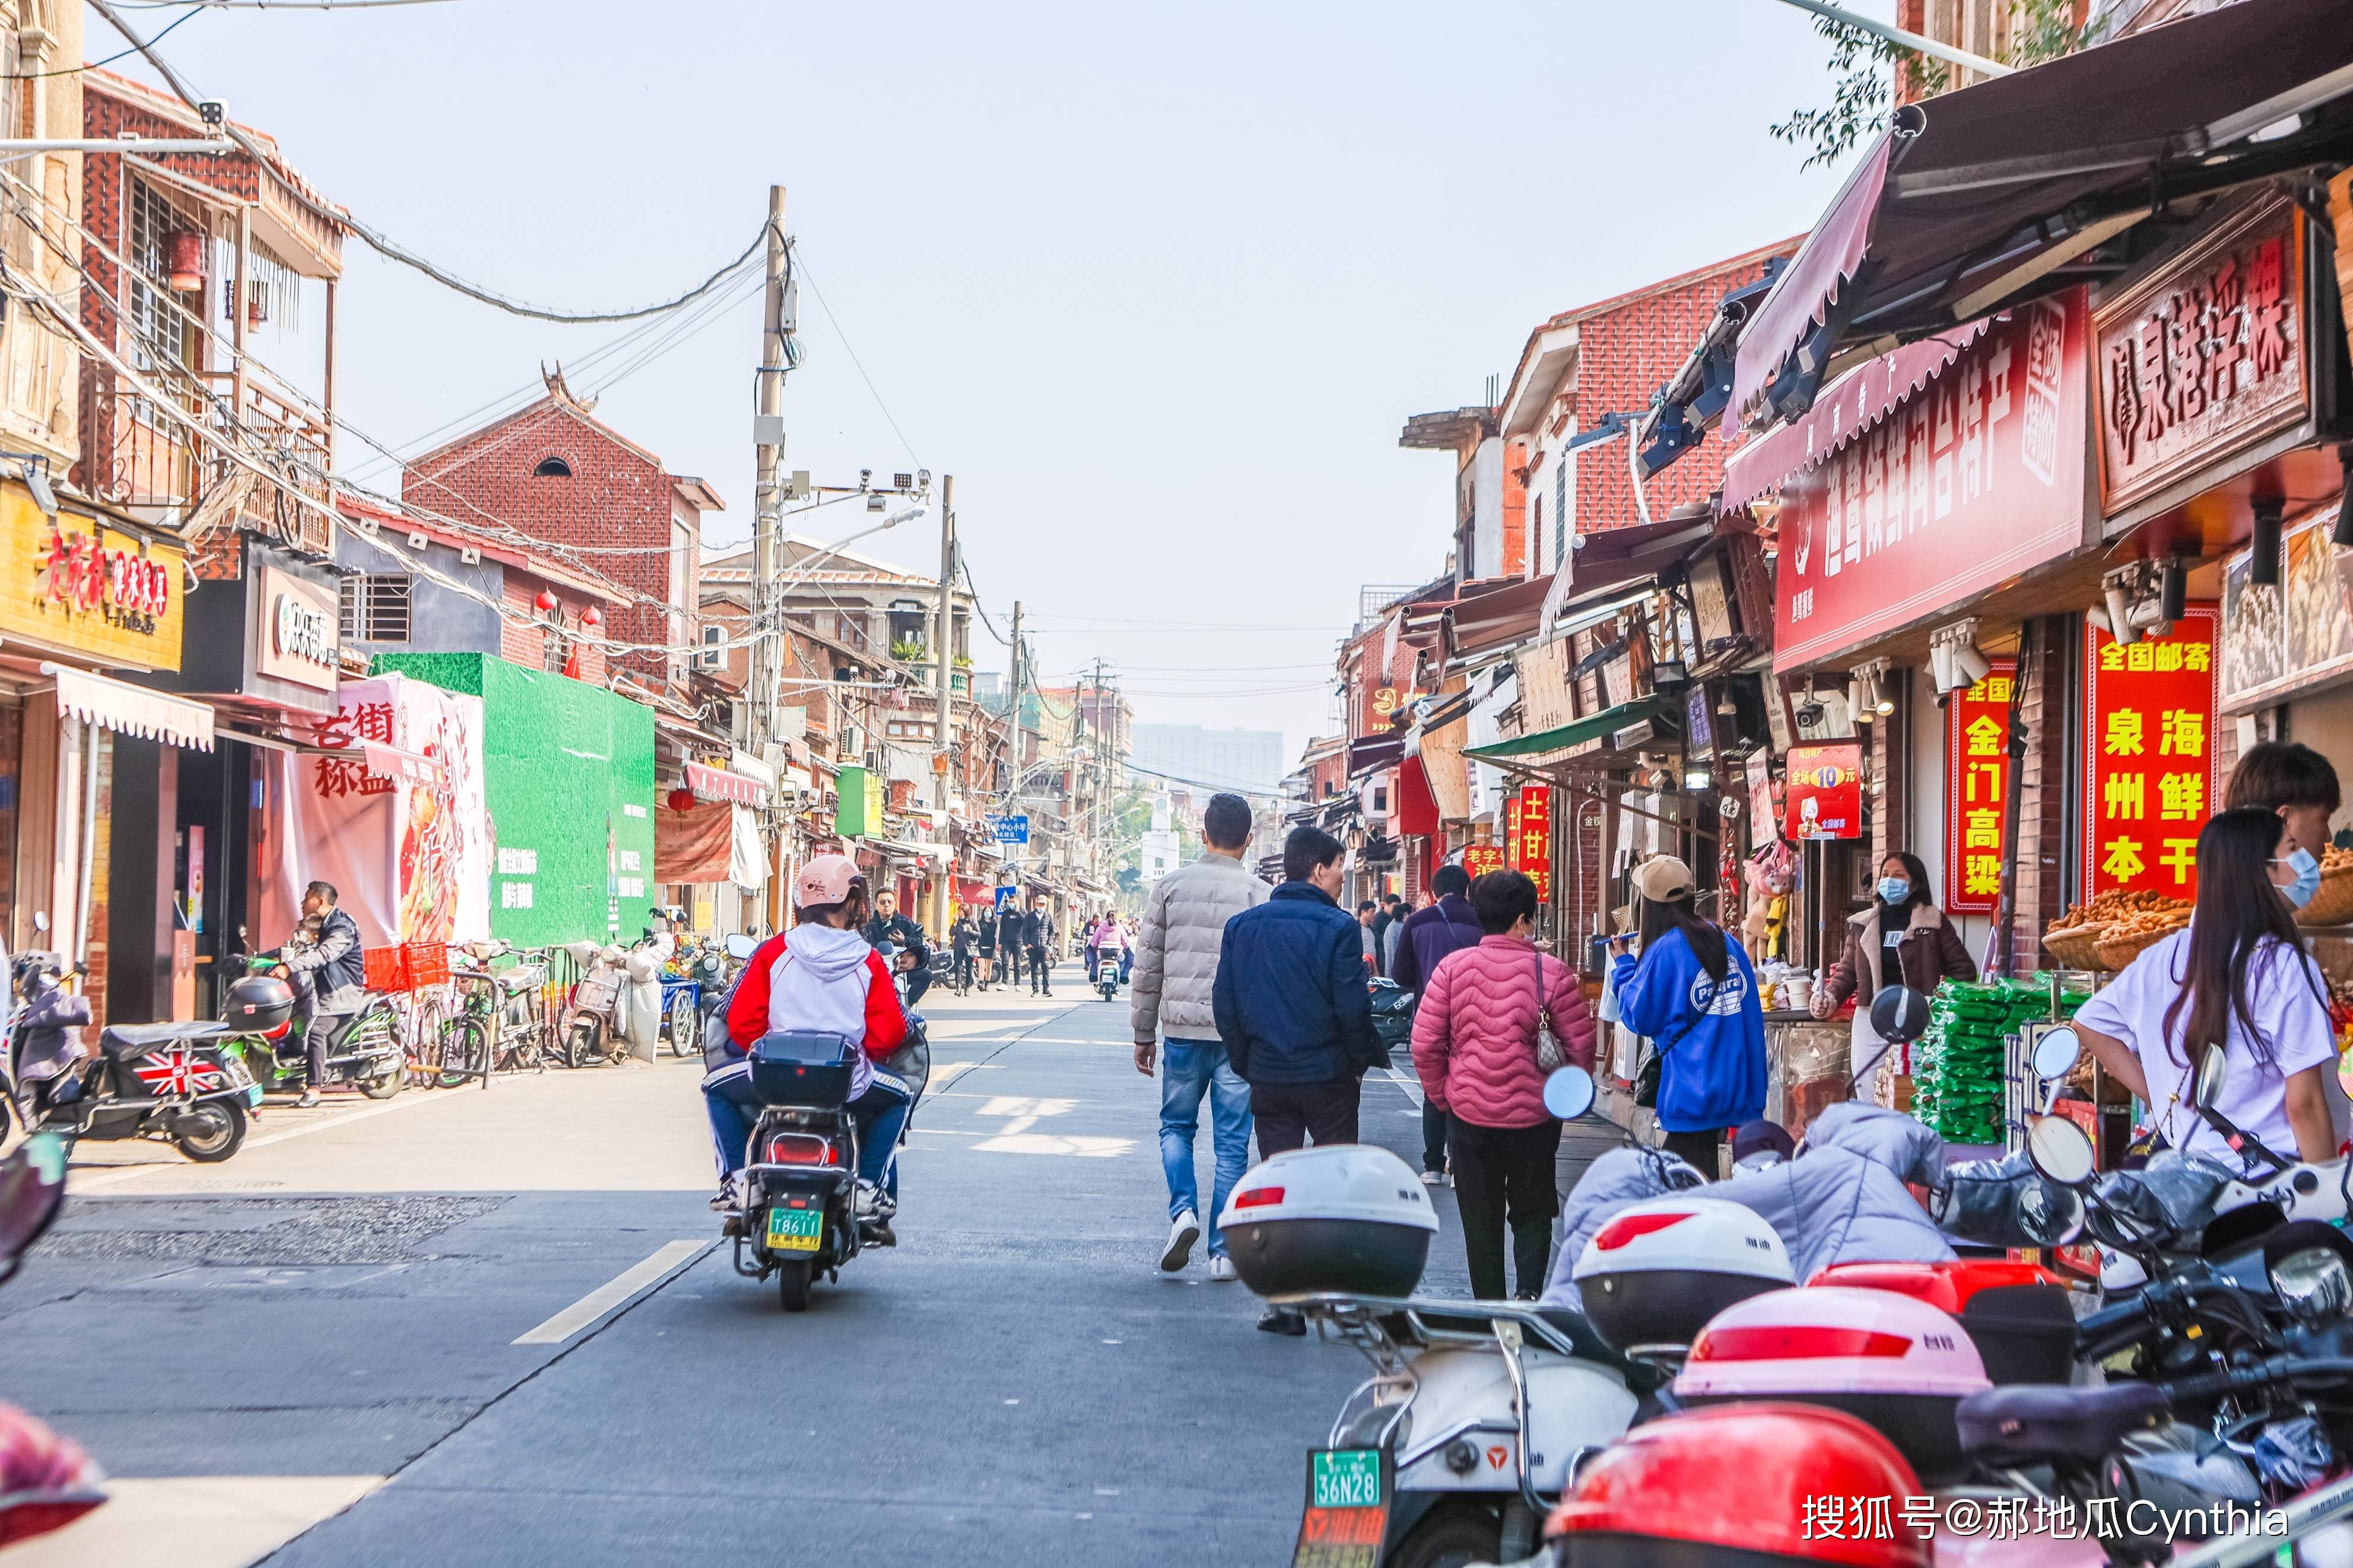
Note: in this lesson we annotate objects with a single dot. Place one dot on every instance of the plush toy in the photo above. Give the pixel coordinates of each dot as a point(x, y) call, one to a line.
point(1769, 875)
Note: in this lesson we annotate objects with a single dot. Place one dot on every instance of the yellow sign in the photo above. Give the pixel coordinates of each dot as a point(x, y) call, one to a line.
point(81, 585)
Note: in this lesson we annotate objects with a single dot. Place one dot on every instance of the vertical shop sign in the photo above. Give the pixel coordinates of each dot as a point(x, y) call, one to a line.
point(1764, 816)
point(1976, 782)
point(2149, 780)
point(1825, 791)
point(1531, 838)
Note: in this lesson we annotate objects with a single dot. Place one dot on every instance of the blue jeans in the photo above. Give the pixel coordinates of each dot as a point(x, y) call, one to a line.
point(1189, 1069)
point(880, 1112)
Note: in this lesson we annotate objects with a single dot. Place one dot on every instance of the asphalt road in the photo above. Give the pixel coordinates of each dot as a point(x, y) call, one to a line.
point(495, 1327)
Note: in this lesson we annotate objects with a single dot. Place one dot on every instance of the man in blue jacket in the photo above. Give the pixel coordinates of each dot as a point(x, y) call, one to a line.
point(1295, 1014)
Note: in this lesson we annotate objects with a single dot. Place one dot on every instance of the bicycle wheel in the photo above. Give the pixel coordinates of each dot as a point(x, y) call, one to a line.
point(685, 1025)
point(467, 1052)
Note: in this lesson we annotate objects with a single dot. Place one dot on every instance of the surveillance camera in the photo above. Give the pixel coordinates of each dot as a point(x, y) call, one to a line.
point(865, 478)
point(211, 113)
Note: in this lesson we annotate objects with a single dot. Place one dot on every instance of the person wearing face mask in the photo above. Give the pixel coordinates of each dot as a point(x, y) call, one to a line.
point(2298, 784)
point(1902, 939)
point(2238, 981)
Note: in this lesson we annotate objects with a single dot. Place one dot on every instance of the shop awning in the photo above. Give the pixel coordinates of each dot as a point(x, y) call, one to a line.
point(1607, 722)
point(1612, 563)
point(908, 850)
point(1500, 618)
point(719, 784)
point(1417, 802)
point(391, 762)
point(1985, 197)
point(1375, 751)
point(129, 709)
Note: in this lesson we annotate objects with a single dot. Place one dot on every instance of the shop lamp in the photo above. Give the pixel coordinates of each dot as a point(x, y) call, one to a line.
point(34, 472)
point(2119, 615)
point(1857, 703)
point(1969, 664)
point(2343, 533)
point(1697, 779)
point(2173, 590)
point(2264, 565)
point(1940, 666)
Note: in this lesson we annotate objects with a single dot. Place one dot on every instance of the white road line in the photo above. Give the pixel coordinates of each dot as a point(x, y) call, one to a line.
point(1412, 1087)
point(107, 1178)
point(606, 1296)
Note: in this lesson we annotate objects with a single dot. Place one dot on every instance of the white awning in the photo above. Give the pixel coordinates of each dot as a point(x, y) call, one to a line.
point(131, 710)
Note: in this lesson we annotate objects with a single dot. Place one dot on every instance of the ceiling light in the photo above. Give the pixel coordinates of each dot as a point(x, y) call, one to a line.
point(1696, 779)
point(1858, 700)
point(1969, 664)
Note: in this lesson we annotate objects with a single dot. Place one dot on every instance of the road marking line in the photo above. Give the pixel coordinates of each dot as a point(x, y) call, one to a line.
point(1044, 1143)
point(1412, 1090)
point(107, 1177)
point(194, 1521)
point(606, 1296)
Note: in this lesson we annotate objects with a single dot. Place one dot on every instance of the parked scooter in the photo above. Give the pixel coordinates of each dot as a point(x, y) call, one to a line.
point(364, 1048)
point(595, 1034)
point(184, 1082)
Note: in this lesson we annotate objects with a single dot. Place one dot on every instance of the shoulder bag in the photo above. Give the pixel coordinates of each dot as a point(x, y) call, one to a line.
point(1550, 1057)
point(1646, 1077)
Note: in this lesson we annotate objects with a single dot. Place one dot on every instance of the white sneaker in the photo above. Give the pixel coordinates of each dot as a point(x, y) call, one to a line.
point(867, 1204)
point(729, 1195)
point(1221, 1269)
point(1433, 1178)
point(1182, 1234)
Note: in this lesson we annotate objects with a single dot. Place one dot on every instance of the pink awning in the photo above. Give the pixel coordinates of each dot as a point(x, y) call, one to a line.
point(1810, 285)
point(391, 762)
point(1846, 408)
point(719, 784)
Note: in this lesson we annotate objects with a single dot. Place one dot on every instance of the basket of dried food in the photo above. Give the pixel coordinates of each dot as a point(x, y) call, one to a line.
point(2333, 905)
point(2128, 937)
point(2075, 946)
point(2074, 938)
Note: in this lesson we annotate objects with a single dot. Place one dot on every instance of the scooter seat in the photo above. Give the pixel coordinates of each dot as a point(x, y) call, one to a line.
point(128, 1039)
point(2025, 1422)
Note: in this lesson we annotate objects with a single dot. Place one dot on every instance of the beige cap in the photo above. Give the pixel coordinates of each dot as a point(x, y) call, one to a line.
point(1665, 880)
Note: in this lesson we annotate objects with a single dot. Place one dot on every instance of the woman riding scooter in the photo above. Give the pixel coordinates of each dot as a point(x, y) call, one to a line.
point(822, 975)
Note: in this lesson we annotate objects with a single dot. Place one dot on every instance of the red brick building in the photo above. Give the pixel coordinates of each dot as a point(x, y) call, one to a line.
point(552, 476)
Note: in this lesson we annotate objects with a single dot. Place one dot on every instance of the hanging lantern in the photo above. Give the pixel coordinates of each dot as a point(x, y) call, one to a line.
point(184, 260)
point(545, 603)
point(681, 798)
point(592, 616)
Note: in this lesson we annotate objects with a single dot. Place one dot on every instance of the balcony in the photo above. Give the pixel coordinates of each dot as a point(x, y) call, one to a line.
point(161, 470)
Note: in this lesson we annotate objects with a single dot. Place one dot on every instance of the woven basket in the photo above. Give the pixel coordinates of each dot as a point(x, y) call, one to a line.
point(2119, 953)
point(2076, 947)
point(2333, 905)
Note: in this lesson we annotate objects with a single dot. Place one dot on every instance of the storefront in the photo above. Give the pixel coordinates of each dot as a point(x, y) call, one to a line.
point(711, 853)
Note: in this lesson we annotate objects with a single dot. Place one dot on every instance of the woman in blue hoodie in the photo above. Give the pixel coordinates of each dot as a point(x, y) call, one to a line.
point(1694, 997)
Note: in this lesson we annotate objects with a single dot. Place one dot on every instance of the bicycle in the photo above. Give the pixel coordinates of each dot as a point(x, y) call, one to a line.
point(499, 1025)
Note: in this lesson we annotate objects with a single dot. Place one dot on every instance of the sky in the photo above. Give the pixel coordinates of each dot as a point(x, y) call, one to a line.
point(1159, 286)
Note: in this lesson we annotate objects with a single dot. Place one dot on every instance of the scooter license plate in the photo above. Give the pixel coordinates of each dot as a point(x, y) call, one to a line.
point(796, 1230)
point(1347, 1513)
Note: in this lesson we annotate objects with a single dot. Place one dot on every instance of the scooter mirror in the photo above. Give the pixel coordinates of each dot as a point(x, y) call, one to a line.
point(2056, 1052)
point(40, 920)
point(2051, 1215)
point(2213, 1073)
point(32, 1189)
point(1899, 1015)
point(740, 946)
point(2061, 1151)
point(1569, 1093)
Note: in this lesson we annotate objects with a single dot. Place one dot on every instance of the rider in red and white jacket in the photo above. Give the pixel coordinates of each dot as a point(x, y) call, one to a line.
point(821, 975)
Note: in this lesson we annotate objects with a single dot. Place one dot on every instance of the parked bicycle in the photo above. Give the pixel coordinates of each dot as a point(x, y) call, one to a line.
point(499, 1025)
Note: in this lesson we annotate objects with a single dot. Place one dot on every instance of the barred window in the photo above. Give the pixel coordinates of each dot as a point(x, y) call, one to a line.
point(375, 608)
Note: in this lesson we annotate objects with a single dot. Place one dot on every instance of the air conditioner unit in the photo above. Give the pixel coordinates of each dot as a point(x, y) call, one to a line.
point(417, 542)
point(873, 761)
point(470, 555)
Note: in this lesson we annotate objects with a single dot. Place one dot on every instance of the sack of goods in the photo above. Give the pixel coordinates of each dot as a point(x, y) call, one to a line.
point(1957, 1083)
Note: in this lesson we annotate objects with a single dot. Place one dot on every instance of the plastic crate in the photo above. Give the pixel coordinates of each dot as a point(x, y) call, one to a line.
point(387, 968)
point(427, 964)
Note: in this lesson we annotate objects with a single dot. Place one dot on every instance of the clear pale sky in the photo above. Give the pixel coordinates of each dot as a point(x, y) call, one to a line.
point(1158, 285)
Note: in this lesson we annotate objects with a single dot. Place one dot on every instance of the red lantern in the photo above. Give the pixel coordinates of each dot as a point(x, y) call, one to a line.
point(545, 603)
point(681, 798)
point(184, 260)
point(592, 616)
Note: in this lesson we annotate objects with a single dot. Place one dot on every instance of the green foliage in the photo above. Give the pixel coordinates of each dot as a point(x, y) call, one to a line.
point(909, 650)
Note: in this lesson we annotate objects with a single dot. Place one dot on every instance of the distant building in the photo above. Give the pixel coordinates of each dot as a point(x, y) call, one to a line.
point(1245, 760)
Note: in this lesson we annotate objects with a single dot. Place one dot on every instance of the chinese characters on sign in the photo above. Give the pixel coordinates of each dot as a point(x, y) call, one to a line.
point(345, 772)
point(2148, 760)
point(1970, 480)
point(1824, 793)
point(80, 582)
point(1976, 782)
point(1528, 838)
point(1480, 858)
point(2208, 356)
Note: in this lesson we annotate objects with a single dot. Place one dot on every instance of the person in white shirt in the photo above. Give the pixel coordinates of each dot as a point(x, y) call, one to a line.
point(2238, 978)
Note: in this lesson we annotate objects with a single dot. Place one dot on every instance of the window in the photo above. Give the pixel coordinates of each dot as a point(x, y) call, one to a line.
point(552, 653)
point(1559, 508)
point(551, 468)
point(374, 608)
point(712, 655)
point(159, 332)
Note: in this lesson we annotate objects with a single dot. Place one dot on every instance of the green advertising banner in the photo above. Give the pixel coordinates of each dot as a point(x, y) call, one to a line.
point(569, 781)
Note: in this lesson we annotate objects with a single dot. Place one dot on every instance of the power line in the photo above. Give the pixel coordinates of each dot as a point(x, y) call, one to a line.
point(885, 407)
point(194, 7)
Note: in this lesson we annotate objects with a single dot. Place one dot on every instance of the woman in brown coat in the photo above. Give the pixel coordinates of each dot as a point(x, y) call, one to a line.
point(1902, 924)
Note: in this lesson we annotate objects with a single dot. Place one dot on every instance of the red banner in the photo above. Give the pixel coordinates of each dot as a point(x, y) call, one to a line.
point(1480, 858)
point(1825, 791)
point(2149, 778)
point(1968, 482)
point(1528, 840)
point(1976, 782)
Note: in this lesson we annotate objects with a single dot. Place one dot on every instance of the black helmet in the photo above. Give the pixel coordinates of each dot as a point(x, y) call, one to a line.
point(259, 1002)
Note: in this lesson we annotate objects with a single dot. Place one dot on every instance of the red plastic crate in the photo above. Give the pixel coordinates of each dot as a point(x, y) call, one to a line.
point(427, 964)
point(387, 968)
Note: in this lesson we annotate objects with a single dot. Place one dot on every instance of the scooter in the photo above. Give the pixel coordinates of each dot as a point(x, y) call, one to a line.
point(1107, 975)
point(596, 1032)
point(364, 1048)
point(183, 1083)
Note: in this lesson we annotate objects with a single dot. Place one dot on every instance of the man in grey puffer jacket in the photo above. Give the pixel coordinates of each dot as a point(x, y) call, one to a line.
point(1176, 968)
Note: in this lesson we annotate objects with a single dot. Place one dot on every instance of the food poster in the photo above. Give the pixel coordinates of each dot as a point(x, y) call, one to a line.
point(2279, 640)
point(1824, 795)
point(2150, 774)
point(1977, 783)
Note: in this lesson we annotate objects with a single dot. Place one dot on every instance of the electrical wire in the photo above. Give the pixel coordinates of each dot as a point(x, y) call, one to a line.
point(194, 7)
point(860, 363)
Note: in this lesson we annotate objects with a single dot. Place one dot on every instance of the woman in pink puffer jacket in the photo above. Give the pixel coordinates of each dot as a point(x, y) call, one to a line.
point(1475, 1044)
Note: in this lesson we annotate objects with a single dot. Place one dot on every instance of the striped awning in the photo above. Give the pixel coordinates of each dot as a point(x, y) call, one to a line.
point(129, 709)
point(719, 784)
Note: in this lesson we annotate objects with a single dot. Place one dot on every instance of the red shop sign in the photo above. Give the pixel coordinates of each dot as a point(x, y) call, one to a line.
point(1969, 481)
point(1976, 782)
point(1480, 858)
point(2149, 778)
point(1825, 791)
point(1529, 838)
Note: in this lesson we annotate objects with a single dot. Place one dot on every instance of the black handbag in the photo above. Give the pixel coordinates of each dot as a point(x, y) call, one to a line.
point(1646, 1077)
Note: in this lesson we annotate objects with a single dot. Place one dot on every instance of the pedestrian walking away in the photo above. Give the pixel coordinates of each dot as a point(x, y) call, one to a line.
point(1293, 1009)
point(1694, 996)
point(1174, 1008)
point(1477, 1040)
point(1423, 940)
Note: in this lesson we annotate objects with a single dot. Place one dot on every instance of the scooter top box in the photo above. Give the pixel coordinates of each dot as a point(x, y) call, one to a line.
point(1656, 1271)
point(803, 1067)
point(1352, 1219)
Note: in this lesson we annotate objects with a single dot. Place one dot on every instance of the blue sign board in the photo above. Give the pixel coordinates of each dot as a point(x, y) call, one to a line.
point(1009, 894)
point(1011, 829)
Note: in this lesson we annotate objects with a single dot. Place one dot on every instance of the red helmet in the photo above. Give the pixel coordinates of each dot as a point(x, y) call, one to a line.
point(1747, 1479)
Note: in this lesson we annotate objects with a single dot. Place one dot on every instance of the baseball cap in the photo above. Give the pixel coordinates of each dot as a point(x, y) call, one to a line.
point(825, 879)
point(1665, 880)
point(1762, 1137)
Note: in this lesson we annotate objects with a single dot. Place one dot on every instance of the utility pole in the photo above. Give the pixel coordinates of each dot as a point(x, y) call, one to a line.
point(767, 507)
point(943, 723)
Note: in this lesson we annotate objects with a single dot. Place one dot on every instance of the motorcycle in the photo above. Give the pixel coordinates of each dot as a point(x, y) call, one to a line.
point(365, 1050)
point(183, 1082)
point(1106, 982)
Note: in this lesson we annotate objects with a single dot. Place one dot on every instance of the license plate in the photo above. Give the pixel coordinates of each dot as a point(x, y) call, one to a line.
point(253, 1094)
point(1347, 1518)
point(796, 1230)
